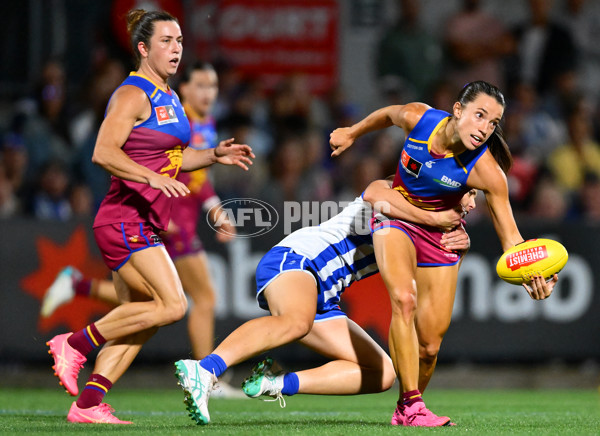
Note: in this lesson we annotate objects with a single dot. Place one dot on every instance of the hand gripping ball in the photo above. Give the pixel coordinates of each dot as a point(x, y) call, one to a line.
point(534, 256)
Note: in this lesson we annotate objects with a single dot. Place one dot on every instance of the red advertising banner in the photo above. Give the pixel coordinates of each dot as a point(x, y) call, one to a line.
point(268, 39)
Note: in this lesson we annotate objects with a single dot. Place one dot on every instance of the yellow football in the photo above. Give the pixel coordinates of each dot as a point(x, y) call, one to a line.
point(534, 256)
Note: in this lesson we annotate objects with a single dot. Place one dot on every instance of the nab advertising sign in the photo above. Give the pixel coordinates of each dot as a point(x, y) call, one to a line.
point(493, 321)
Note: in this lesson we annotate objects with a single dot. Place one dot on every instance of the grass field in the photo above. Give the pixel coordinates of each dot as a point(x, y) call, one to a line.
point(161, 412)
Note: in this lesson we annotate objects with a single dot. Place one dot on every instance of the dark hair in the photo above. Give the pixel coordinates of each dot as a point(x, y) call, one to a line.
point(195, 66)
point(140, 25)
point(496, 142)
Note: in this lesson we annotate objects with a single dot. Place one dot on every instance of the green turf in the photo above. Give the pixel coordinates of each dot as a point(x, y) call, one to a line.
point(161, 412)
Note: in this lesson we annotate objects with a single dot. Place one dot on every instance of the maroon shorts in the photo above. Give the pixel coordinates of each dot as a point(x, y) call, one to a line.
point(182, 243)
point(117, 242)
point(427, 241)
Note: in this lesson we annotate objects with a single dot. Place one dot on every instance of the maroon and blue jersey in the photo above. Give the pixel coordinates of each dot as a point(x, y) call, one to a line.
point(157, 144)
point(429, 180)
point(204, 136)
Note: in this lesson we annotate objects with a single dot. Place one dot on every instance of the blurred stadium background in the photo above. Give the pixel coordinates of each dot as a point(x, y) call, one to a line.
point(290, 72)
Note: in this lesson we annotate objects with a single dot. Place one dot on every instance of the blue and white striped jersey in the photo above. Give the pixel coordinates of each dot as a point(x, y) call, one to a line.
point(340, 250)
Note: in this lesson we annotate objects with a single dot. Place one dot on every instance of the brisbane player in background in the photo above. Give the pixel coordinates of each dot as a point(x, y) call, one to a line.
point(142, 143)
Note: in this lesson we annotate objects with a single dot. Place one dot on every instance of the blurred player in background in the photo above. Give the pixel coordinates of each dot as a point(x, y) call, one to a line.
point(444, 156)
point(300, 281)
point(198, 89)
point(142, 143)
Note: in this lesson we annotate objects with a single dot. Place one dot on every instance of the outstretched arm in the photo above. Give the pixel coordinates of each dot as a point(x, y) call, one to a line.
point(404, 116)
point(488, 177)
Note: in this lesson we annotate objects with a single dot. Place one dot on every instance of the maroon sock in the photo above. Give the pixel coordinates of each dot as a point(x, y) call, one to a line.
point(82, 287)
point(95, 389)
point(86, 340)
point(411, 397)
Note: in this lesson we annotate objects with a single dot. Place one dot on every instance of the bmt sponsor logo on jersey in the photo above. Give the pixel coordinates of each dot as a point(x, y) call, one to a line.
point(447, 181)
point(410, 165)
point(165, 114)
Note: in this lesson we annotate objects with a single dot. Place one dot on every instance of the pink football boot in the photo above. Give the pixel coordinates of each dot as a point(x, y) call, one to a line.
point(67, 362)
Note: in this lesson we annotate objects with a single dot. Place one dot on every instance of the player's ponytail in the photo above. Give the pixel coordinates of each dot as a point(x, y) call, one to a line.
point(140, 26)
point(499, 149)
point(496, 142)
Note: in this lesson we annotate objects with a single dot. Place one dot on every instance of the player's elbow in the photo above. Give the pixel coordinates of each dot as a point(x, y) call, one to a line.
point(99, 158)
point(370, 194)
point(376, 195)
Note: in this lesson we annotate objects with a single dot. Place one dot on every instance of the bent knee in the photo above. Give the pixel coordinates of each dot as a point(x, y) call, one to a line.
point(379, 377)
point(302, 328)
point(389, 376)
point(173, 312)
point(295, 328)
point(429, 351)
point(403, 300)
point(178, 311)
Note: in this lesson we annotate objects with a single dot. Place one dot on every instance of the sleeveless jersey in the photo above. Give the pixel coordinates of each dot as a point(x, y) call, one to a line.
point(203, 136)
point(340, 250)
point(157, 144)
point(428, 180)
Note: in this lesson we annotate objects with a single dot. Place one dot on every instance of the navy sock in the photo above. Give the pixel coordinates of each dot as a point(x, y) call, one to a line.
point(291, 384)
point(213, 363)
